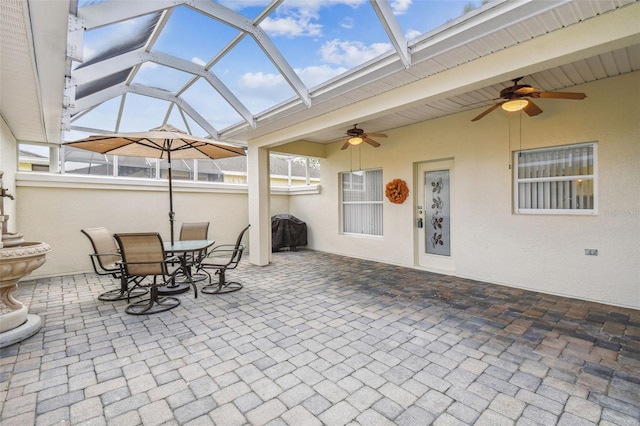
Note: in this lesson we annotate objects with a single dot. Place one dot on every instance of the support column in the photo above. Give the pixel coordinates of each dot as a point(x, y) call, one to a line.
point(259, 206)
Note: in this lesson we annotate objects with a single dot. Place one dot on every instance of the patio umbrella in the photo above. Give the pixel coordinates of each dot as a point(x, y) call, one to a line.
point(165, 142)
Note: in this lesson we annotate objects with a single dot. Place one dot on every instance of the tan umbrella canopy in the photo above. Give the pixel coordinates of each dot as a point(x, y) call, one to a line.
point(165, 142)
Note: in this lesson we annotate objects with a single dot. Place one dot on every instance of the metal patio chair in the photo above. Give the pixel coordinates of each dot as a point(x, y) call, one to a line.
point(105, 258)
point(220, 259)
point(194, 231)
point(143, 257)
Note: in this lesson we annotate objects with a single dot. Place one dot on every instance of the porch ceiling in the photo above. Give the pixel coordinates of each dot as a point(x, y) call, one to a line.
point(461, 66)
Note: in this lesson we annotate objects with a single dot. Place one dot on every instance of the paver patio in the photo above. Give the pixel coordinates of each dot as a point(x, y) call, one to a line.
point(316, 339)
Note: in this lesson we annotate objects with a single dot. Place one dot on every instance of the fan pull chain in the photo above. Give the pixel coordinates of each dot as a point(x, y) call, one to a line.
point(520, 132)
point(509, 147)
point(520, 148)
point(351, 160)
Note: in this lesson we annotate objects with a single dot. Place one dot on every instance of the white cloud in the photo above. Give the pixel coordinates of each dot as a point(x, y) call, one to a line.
point(260, 80)
point(351, 53)
point(315, 75)
point(300, 18)
point(260, 91)
point(198, 61)
point(400, 7)
point(291, 27)
point(347, 22)
point(262, 85)
point(411, 34)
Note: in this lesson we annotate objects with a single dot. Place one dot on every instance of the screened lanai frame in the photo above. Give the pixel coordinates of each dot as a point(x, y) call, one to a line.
point(286, 169)
point(201, 90)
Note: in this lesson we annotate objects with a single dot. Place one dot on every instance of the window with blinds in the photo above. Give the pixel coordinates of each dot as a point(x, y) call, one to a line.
point(362, 195)
point(556, 180)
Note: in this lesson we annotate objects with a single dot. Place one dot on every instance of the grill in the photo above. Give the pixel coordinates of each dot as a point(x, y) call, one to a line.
point(287, 231)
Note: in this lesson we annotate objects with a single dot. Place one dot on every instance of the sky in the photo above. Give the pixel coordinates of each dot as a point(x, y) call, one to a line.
point(320, 39)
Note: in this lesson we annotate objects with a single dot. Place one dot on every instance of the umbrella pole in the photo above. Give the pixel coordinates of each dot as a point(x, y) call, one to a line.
point(171, 212)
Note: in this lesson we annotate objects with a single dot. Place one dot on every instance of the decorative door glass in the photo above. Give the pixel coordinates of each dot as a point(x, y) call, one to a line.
point(438, 211)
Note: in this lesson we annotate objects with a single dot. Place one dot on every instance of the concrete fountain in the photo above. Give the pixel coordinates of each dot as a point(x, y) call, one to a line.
point(18, 258)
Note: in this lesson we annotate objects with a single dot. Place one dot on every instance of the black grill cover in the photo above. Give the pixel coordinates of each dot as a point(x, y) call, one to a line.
point(287, 231)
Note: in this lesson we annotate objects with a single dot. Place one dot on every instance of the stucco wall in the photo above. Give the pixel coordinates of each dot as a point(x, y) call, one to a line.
point(491, 243)
point(55, 212)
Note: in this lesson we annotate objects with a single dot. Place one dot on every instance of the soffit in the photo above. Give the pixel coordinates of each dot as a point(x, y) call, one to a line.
point(32, 68)
point(33, 96)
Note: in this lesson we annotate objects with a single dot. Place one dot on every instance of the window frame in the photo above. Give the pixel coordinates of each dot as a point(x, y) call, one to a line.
point(379, 202)
point(548, 211)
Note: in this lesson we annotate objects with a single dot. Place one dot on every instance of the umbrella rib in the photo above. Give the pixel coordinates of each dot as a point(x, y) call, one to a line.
point(150, 144)
point(197, 146)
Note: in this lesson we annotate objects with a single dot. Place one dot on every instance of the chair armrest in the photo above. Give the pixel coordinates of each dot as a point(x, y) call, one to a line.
point(223, 246)
point(165, 261)
point(223, 250)
point(104, 254)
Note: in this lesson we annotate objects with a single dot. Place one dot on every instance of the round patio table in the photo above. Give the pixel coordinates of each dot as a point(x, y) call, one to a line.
point(181, 249)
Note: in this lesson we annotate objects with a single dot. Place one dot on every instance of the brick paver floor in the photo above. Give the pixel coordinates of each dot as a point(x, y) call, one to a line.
point(320, 339)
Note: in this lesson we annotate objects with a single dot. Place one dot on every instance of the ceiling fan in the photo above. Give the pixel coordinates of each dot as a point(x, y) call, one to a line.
point(357, 136)
point(513, 98)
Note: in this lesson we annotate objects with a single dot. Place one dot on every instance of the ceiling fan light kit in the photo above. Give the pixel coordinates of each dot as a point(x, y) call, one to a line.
point(512, 99)
point(515, 105)
point(356, 136)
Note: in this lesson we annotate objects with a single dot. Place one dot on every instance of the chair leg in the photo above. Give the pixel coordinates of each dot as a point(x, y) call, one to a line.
point(222, 286)
point(124, 292)
point(152, 305)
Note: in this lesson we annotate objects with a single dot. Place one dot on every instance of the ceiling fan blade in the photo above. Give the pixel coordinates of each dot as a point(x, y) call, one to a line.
point(377, 135)
point(487, 111)
point(371, 142)
point(346, 145)
point(561, 95)
point(525, 91)
point(532, 109)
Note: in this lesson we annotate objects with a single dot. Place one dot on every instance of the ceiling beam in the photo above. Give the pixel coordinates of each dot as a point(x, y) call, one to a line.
point(97, 98)
point(153, 92)
point(392, 27)
point(127, 60)
point(105, 13)
point(221, 13)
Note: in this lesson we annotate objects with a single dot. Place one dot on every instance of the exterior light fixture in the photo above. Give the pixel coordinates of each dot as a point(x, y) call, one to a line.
point(356, 140)
point(515, 105)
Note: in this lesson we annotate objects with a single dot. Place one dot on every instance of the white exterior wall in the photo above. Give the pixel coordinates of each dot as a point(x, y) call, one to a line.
point(490, 243)
point(54, 209)
point(543, 253)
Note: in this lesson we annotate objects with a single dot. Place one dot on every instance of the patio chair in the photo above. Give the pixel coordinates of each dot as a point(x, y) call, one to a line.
point(194, 231)
point(220, 259)
point(105, 258)
point(143, 257)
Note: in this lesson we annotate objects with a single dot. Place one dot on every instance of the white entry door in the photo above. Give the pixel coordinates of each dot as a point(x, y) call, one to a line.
point(434, 212)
